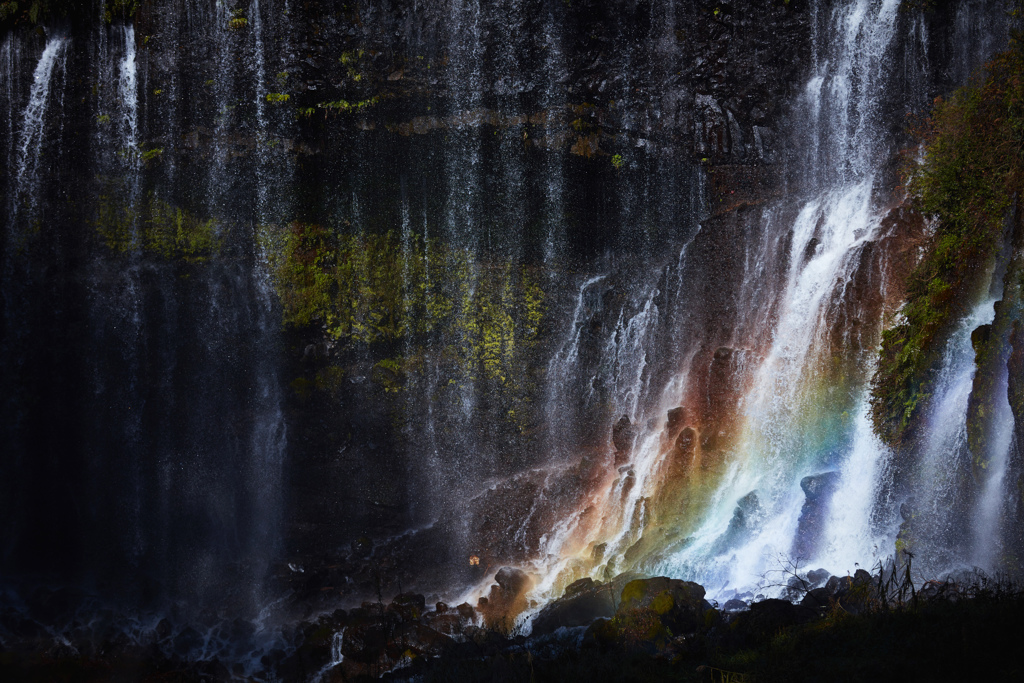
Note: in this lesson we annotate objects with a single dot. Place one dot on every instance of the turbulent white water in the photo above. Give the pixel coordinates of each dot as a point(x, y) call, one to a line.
point(779, 442)
point(842, 100)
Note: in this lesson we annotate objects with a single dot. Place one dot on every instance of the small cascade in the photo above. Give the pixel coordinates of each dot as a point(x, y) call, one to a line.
point(9, 77)
point(993, 498)
point(262, 140)
point(940, 487)
point(563, 364)
point(128, 95)
point(553, 100)
point(337, 656)
point(24, 197)
point(223, 36)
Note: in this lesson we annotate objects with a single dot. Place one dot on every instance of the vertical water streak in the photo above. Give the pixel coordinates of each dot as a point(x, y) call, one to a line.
point(562, 368)
point(464, 169)
point(262, 140)
point(945, 459)
point(128, 91)
point(25, 194)
point(219, 29)
point(993, 497)
point(553, 103)
point(849, 537)
point(128, 120)
point(268, 437)
point(8, 83)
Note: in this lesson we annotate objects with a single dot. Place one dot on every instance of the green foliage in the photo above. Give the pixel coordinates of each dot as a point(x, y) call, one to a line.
point(350, 57)
point(346, 107)
point(124, 9)
point(277, 97)
point(617, 161)
point(375, 289)
point(150, 154)
point(237, 20)
point(972, 171)
point(158, 229)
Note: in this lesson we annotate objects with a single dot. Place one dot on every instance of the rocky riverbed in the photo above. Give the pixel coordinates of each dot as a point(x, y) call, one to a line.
point(629, 628)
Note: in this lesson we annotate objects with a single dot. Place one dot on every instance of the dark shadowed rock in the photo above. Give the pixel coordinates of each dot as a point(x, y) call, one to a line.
point(838, 584)
point(163, 629)
point(576, 587)
point(818, 485)
point(652, 615)
point(420, 639)
point(817, 598)
point(744, 517)
point(861, 577)
point(583, 602)
point(818, 490)
point(512, 581)
point(623, 434)
point(818, 577)
point(735, 605)
point(506, 599)
point(767, 617)
point(408, 606)
point(675, 419)
point(448, 624)
point(855, 594)
point(188, 640)
point(679, 605)
point(466, 611)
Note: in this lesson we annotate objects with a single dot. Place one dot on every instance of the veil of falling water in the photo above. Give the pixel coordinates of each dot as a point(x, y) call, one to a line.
point(748, 535)
point(725, 350)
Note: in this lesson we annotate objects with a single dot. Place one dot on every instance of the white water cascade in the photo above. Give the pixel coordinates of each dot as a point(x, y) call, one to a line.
point(780, 445)
point(24, 197)
point(781, 437)
point(128, 93)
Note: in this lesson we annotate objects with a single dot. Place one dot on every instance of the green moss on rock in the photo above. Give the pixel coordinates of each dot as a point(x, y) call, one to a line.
point(157, 228)
point(381, 289)
point(973, 169)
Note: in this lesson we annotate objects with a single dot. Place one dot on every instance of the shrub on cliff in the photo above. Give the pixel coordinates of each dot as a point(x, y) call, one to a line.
point(970, 178)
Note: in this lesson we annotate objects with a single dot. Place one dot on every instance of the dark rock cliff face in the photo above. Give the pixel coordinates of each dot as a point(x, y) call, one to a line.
point(149, 368)
point(164, 422)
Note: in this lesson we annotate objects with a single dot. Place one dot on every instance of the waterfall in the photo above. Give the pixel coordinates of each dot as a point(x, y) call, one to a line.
point(9, 74)
point(556, 73)
point(820, 244)
point(780, 443)
point(128, 94)
point(24, 196)
point(262, 140)
point(582, 292)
